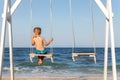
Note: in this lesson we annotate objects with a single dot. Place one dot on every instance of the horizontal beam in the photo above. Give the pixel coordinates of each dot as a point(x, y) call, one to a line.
point(102, 7)
point(15, 5)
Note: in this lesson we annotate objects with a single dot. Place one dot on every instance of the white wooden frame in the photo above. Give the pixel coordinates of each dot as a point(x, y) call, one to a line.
point(7, 20)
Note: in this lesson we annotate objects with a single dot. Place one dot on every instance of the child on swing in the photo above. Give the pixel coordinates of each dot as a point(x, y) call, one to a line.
point(39, 42)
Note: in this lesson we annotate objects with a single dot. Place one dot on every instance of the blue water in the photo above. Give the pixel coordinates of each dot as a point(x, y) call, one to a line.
point(63, 64)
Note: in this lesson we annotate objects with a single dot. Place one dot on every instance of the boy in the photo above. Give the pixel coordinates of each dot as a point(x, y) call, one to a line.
point(39, 42)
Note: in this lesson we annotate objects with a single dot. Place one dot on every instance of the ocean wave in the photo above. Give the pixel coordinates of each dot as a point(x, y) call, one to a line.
point(16, 69)
point(29, 69)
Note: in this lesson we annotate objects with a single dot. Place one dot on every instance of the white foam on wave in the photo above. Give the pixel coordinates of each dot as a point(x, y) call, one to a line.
point(16, 69)
point(44, 71)
point(6, 69)
point(29, 69)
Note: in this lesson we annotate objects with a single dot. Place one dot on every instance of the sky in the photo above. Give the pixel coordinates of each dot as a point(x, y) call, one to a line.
point(62, 31)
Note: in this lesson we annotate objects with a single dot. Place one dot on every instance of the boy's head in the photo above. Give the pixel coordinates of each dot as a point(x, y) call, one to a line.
point(37, 30)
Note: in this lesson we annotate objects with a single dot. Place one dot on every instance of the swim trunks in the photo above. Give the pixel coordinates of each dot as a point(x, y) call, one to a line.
point(40, 51)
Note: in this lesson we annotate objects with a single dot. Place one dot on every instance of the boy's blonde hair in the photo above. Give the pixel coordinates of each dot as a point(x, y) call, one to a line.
point(39, 30)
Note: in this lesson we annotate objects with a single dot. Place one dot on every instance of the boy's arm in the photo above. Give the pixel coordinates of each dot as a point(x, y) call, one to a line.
point(47, 43)
point(32, 41)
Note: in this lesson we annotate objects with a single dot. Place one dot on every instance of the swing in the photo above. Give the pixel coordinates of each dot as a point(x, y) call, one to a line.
point(48, 55)
point(78, 54)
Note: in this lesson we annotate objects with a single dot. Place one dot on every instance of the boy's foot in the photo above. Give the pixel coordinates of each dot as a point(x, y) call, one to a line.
point(40, 62)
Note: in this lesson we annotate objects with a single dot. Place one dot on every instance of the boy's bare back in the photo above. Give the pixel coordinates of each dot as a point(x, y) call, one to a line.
point(39, 43)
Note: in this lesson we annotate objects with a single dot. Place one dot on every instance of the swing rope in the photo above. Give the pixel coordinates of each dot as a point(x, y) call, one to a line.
point(93, 28)
point(31, 17)
point(31, 31)
point(51, 25)
point(72, 26)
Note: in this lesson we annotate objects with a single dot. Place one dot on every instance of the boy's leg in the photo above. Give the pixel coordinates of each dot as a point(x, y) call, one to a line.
point(40, 59)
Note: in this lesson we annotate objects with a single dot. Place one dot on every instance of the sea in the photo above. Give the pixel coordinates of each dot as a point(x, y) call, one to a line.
point(63, 65)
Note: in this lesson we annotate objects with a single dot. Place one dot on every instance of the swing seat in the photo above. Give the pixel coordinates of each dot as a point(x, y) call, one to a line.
point(76, 55)
point(49, 55)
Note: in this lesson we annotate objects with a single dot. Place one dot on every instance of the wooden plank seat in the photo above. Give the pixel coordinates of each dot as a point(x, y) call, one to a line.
point(49, 55)
point(76, 55)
